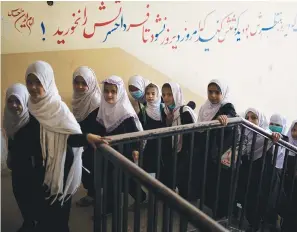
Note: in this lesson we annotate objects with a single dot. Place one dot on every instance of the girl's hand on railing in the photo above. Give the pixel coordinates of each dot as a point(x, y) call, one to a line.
point(135, 155)
point(276, 137)
point(223, 119)
point(96, 140)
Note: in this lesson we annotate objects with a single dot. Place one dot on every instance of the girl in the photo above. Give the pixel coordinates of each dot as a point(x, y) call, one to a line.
point(216, 107)
point(137, 85)
point(278, 125)
point(273, 173)
point(290, 223)
point(175, 114)
point(253, 215)
point(117, 116)
point(24, 161)
point(150, 118)
point(59, 140)
point(85, 104)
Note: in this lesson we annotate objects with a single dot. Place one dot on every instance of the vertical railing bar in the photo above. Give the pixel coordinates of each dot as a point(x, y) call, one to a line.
point(98, 185)
point(183, 220)
point(234, 146)
point(115, 198)
point(293, 180)
point(156, 211)
point(284, 170)
point(262, 174)
point(190, 164)
point(120, 202)
point(105, 170)
point(165, 224)
point(174, 184)
point(207, 144)
point(138, 193)
point(150, 219)
point(270, 183)
point(254, 139)
point(238, 163)
point(220, 151)
point(125, 205)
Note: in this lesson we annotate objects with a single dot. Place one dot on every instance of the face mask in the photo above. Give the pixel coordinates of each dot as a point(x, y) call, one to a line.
point(171, 107)
point(137, 94)
point(278, 129)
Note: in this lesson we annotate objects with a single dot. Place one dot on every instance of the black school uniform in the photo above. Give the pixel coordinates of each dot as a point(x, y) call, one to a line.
point(212, 165)
point(87, 126)
point(166, 176)
point(290, 206)
point(27, 172)
point(272, 188)
point(127, 126)
point(54, 217)
point(150, 153)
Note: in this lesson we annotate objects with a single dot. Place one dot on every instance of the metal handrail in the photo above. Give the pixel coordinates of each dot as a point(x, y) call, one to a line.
point(193, 215)
point(193, 127)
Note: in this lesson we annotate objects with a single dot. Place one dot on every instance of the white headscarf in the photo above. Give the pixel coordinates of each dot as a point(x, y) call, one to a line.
point(291, 140)
point(153, 108)
point(112, 115)
point(209, 110)
point(263, 123)
point(141, 83)
point(56, 124)
point(84, 103)
point(280, 120)
point(178, 100)
point(13, 122)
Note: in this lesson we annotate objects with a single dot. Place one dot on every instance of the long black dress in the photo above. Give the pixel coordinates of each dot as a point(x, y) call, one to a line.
point(53, 217)
point(88, 154)
point(127, 126)
point(27, 172)
point(150, 153)
point(212, 165)
point(167, 174)
point(290, 212)
point(271, 189)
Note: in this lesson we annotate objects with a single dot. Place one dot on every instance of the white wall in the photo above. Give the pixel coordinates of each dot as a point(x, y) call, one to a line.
point(261, 69)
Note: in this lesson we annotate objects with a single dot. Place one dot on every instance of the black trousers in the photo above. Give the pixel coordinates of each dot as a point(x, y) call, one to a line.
point(55, 216)
point(27, 189)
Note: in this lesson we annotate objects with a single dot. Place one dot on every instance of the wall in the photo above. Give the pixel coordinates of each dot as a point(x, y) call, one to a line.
point(104, 62)
point(250, 44)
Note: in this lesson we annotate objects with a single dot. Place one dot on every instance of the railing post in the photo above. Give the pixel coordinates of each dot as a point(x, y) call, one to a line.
point(104, 200)
point(98, 185)
point(238, 163)
point(234, 147)
point(205, 169)
point(220, 151)
point(248, 180)
point(120, 188)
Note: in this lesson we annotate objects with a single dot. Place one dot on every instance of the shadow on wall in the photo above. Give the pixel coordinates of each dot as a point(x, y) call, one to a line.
point(104, 61)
